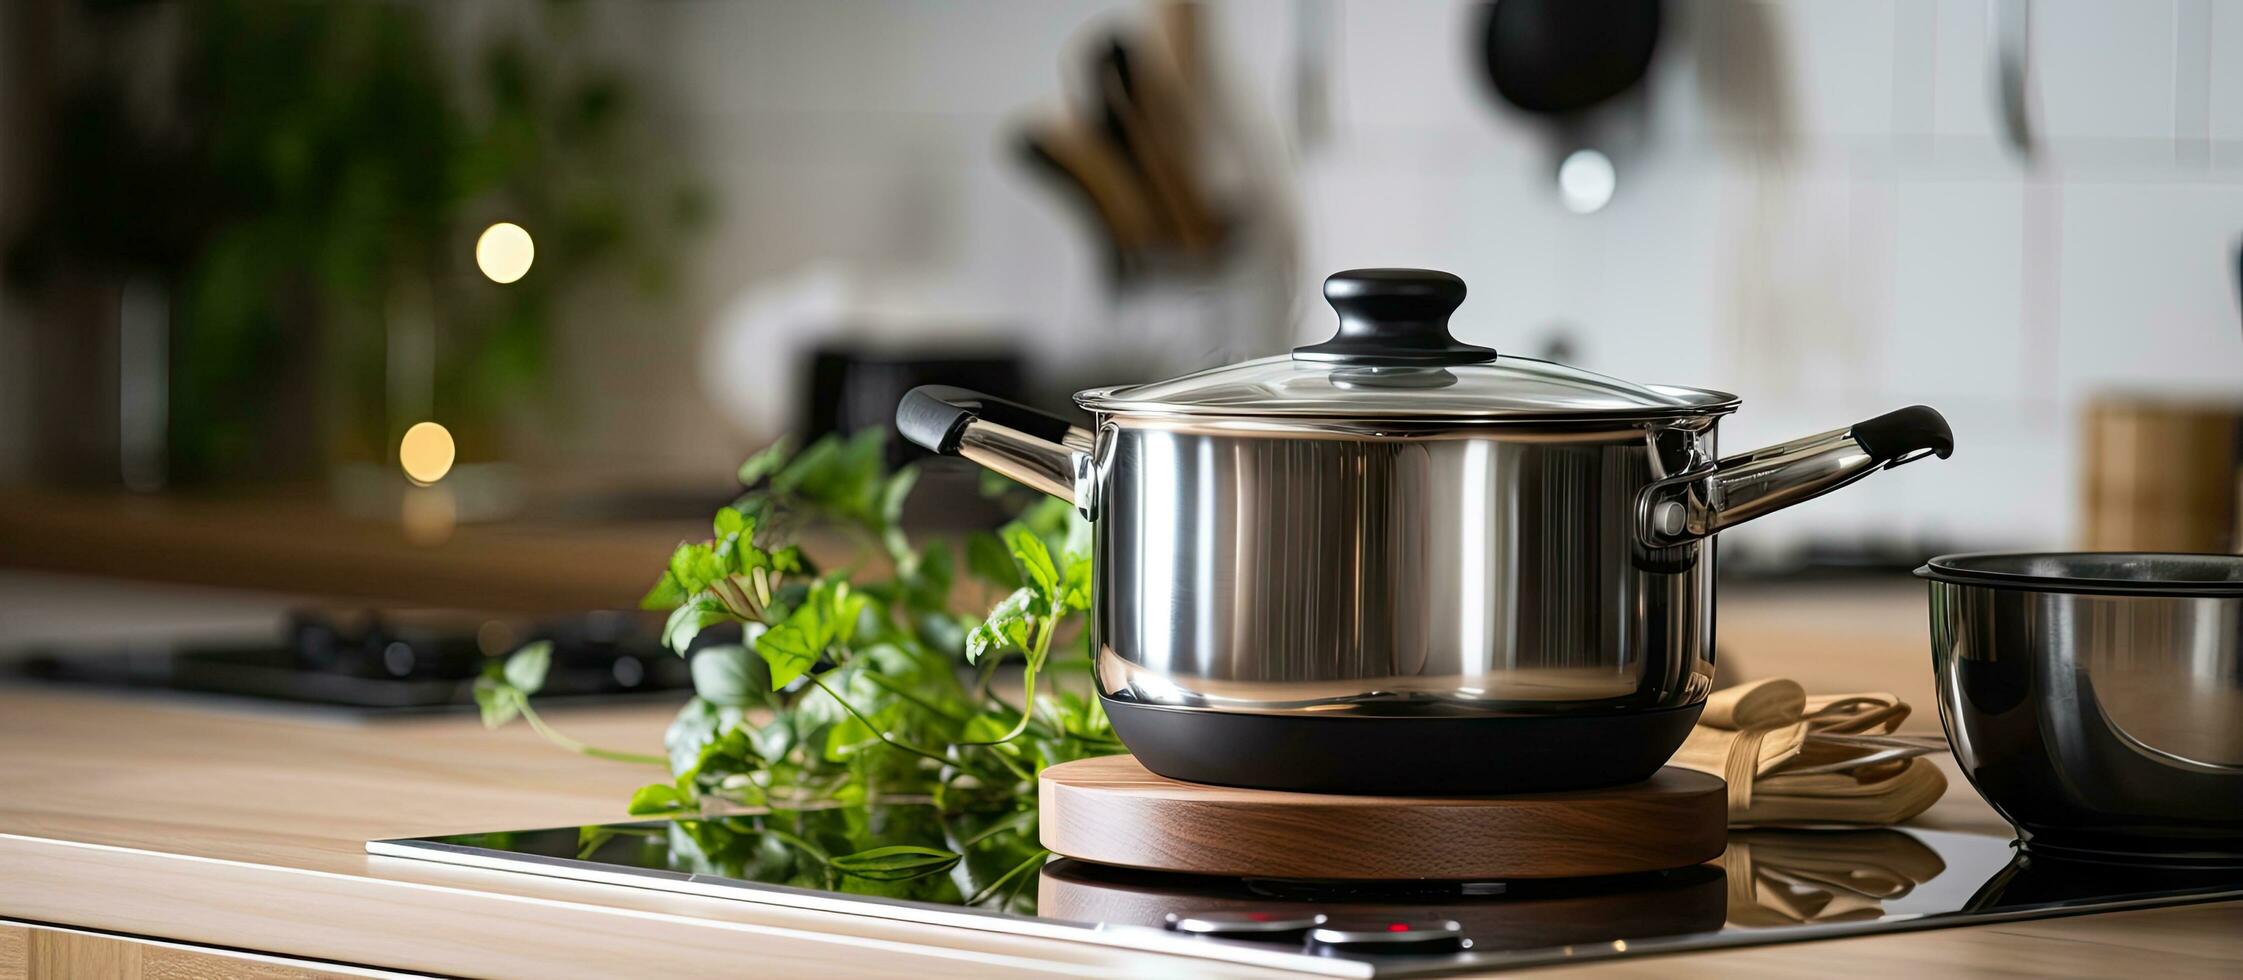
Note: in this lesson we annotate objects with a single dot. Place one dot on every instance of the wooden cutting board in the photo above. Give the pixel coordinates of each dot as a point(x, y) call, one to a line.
point(1113, 811)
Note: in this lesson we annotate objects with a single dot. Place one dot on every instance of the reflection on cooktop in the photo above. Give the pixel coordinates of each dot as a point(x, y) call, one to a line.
point(1770, 886)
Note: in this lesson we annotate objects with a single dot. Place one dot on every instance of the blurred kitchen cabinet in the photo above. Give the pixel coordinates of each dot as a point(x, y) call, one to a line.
point(2160, 474)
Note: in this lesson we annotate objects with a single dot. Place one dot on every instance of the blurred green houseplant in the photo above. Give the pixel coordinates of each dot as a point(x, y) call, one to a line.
point(320, 172)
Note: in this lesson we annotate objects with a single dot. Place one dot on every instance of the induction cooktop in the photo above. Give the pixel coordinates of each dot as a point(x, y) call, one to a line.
point(1770, 887)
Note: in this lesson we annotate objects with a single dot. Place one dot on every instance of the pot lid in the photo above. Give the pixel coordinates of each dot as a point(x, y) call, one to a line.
point(1393, 359)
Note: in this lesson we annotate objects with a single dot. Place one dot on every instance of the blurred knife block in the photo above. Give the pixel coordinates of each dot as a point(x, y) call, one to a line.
point(2161, 474)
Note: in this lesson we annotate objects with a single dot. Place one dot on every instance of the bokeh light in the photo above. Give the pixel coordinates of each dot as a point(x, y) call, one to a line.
point(426, 453)
point(1586, 181)
point(505, 252)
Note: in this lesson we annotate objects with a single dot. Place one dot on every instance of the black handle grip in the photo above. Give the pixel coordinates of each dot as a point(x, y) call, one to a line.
point(936, 416)
point(1904, 432)
point(1394, 317)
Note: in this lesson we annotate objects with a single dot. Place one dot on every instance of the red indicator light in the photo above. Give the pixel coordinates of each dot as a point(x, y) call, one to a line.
point(1397, 927)
point(1259, 916)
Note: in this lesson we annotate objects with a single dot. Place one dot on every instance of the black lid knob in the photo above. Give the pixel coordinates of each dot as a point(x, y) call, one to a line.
point(1394, 317)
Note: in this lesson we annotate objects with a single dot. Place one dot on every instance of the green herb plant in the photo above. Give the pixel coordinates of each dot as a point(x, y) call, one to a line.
point(852, 733)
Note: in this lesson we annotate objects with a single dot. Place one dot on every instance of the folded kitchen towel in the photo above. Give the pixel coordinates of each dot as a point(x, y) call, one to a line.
point(1794, 760)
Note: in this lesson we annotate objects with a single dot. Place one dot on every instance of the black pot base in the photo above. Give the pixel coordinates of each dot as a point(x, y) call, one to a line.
point(1428, 756)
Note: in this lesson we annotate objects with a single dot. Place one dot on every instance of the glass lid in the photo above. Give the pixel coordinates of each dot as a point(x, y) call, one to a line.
point(1394, 359)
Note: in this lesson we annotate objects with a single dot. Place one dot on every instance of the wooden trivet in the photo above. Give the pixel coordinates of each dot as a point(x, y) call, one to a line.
point(1113, 811)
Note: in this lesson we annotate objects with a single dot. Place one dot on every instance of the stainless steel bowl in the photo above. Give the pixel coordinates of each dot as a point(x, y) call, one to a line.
point(2096, 700)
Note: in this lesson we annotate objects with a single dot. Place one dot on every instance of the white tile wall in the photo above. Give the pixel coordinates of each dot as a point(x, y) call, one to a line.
point(1961, 67)
point(1821, 217)
point(2148, 297)
point(2105, 68)
point(1957, 288)
point(2225, 95)
point(1838, 63)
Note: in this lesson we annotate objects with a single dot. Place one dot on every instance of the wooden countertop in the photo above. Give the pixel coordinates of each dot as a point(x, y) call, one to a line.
point(248, 832)
point(160, 820)
point(296, 543)
point(153, 819)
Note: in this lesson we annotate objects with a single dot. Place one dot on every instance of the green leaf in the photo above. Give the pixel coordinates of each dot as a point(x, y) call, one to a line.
point(759, 507)
point(728, 676)
point(1049, 517)
point(927, 589)
point(497, 700)
point(691, 731)
point(843, 476)
point(942, 632)
point(526, 668)
point(1082, 717)
point(737, 554)
point(1034, 559)
point(1074, 586)
point(666, 594)
point(767, 461)
point(987, 728)
point(847, 737)
point(790, 649)
point(988, 560)
point(845, 611)
point(815, 460)
point(687, 621)
point(895, 492)
point(892, 495)
point(733, 752)
point(1021, 822)
point(900, 862)
point(654, 799)
point(694, 566)
point(888, 648)
point(1006, 627)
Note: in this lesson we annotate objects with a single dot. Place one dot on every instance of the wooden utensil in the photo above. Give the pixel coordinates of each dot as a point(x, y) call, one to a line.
point(1159, 152)
point(1088, 163)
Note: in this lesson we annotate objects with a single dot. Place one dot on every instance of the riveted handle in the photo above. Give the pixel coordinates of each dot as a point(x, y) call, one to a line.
point(1752, 484)
point(1042, 451)
point(1394, 318)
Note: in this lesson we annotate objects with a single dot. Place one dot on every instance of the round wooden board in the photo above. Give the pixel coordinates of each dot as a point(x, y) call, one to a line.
point(1113, 811)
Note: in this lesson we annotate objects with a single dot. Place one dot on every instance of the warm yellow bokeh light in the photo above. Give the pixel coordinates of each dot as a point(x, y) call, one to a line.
point(504, 252)
point(426, 453)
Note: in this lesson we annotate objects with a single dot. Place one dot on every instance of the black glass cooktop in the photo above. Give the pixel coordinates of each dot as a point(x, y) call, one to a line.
point(1771, 886)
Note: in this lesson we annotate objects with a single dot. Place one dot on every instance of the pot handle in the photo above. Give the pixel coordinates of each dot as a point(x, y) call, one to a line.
point(1041, 450)
point(1739, 488)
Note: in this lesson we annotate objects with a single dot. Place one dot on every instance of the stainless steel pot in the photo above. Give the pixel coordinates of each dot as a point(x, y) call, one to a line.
point(1393, 562)
point(2096, 699)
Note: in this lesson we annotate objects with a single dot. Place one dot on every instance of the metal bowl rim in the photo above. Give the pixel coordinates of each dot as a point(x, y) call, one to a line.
point(1944, 568)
